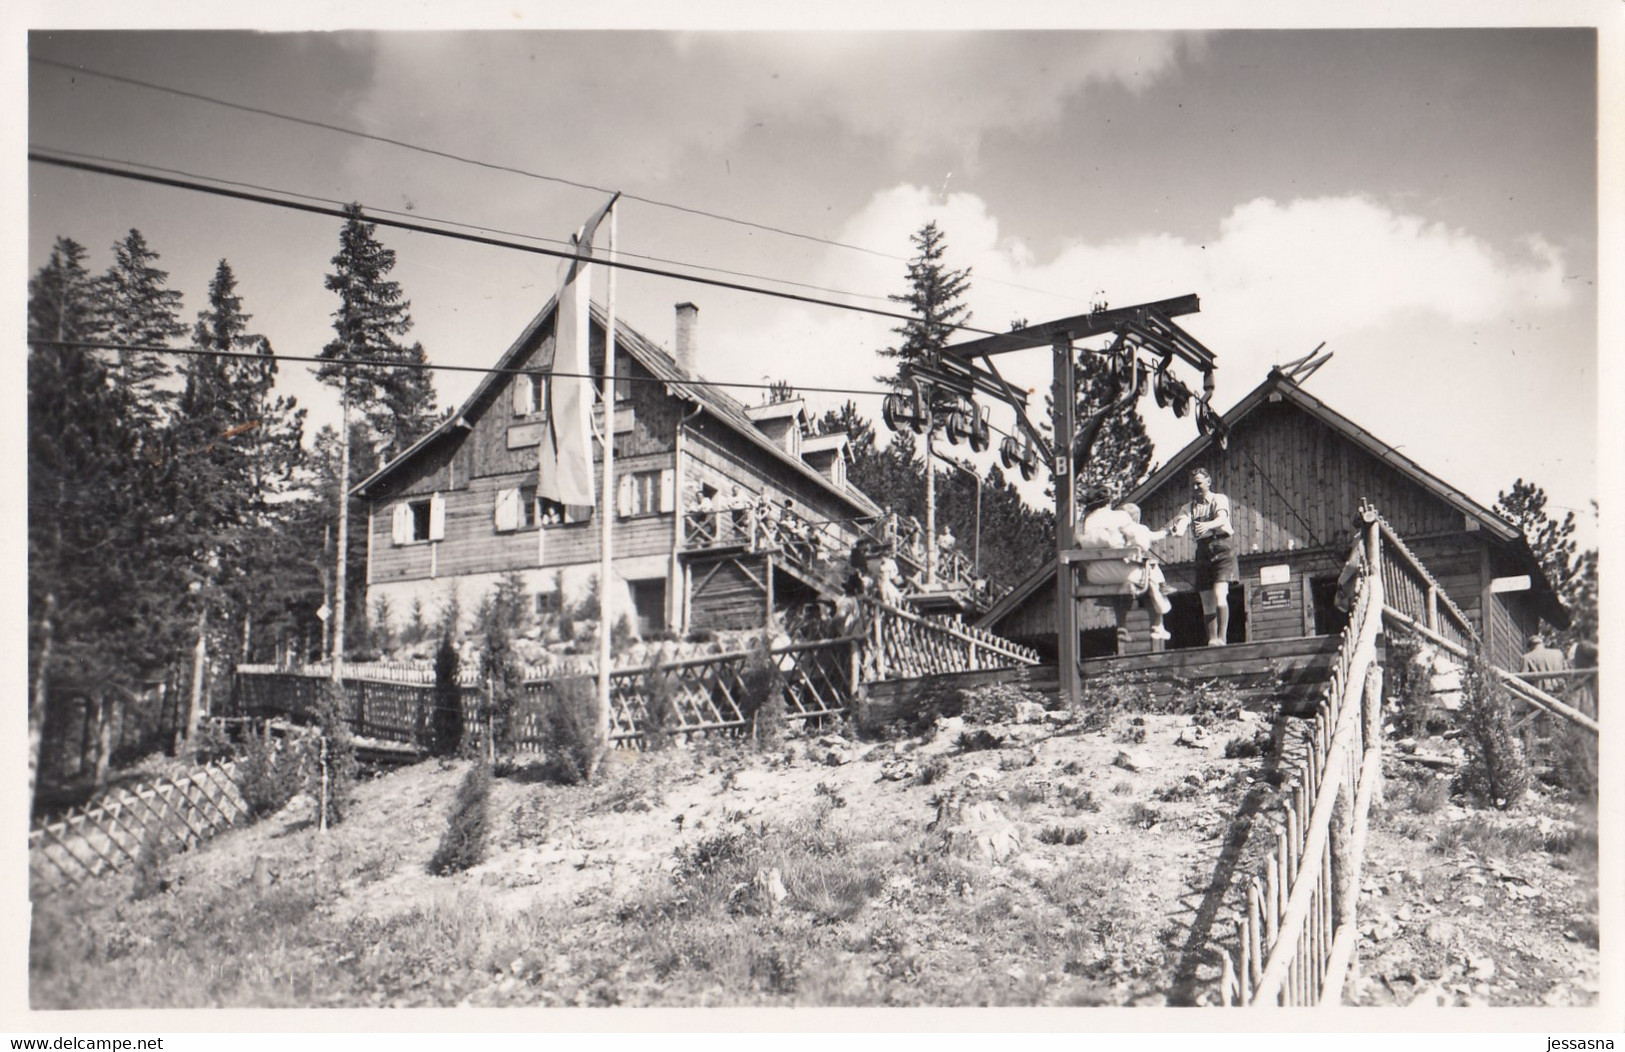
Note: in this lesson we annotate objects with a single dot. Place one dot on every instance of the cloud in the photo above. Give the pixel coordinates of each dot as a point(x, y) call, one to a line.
point(1478, 332)
point(637, 105)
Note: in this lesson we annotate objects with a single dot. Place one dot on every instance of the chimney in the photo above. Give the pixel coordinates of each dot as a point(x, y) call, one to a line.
point(688, 317)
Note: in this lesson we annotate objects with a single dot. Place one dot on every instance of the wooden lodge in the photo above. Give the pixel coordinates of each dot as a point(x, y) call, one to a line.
point(1296, 472)
point(458, 510)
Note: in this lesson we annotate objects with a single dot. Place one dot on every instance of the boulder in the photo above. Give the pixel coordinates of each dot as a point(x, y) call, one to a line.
point(1029, 712)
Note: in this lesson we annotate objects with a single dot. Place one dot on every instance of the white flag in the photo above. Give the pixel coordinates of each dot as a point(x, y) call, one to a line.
point(564, 467)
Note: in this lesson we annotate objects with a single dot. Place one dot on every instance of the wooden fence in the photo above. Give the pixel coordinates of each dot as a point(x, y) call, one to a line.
point(1297, 936)
point(902, 645)
point(173, 812)
point(708, 693)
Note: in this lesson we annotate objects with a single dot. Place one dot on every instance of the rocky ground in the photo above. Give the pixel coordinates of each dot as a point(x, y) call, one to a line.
point(1014, 857)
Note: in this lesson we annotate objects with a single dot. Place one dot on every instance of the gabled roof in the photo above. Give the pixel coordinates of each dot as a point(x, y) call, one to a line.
point(835, 441)
point(721, 406)
point(793, 407)
point(1279, 384)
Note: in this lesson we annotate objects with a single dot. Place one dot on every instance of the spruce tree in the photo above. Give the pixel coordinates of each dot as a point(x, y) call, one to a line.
point(101, 605)
point(1572, 573)
point(1120, 457)
point(934, 296)
point(142, 311)
point(372, 314)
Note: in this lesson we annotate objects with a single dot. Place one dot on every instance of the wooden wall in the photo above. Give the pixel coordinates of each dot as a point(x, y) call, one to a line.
point(473, 545)
point(1295, 483)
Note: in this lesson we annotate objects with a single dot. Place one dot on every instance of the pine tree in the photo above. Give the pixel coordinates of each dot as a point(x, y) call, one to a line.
point(142, 311)
point(1571, 573)
point(1120, 457)
point(64, 300)
point(101, 605)
point(372, 313)
point(935, 297)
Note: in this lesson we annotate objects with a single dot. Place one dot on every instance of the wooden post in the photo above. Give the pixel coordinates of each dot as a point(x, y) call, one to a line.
point(1066, 605)
point(1433, 607)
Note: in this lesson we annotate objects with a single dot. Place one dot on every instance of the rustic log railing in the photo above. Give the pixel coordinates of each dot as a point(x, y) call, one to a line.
point(110, 835)
point(1297, 936)
point(902, 645)
point(1411, 592)
point(1415, 600)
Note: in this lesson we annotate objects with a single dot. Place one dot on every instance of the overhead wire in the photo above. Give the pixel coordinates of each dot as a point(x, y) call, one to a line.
point(340, 129)
point(374, 210)
point(191, 182)
point(382, 363)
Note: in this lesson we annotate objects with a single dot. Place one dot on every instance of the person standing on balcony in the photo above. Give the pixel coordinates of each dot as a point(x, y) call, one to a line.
point(1207, 516)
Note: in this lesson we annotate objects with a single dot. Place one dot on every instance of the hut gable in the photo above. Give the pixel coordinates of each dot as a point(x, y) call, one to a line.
point(1296, 471)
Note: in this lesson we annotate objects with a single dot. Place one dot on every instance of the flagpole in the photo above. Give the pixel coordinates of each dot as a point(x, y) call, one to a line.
point(607, 518)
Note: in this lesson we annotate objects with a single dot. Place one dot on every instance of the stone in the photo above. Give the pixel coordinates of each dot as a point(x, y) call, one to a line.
point(1439, 932)
point(1432, 997)
point(1473, 902)
point(1191, 737)
point(1403, 914)
point(1029, 712)
point(1482, 968)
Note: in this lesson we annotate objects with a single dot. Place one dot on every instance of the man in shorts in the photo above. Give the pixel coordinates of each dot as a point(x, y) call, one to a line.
point(1207, 515)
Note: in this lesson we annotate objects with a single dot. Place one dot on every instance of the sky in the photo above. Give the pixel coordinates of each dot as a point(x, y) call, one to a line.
point(1421, 201)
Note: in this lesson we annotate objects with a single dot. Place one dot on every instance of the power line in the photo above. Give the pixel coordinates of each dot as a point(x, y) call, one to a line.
point(491, 165)
point(377, 363)
point(478, 239)
point(80, 155)
point(384, 363)
point(444, 154)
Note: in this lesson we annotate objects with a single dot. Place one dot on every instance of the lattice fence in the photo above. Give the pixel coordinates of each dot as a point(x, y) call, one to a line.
point(175, 812)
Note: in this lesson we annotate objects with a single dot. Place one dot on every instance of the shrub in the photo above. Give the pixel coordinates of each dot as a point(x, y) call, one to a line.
point(332, 775)
point(1100, 697)
point(659, 708)
point(268, 776)
point(932, 771)
point(151, 876)
point(763, 693)
point(1076, 798)
point(1239, 748)
point(1409, 684)
point(570, 730)
point(463, 844)
point(1497, 770)
point(211, 743)
point(982, 738)
point(1574, 766)
point(1430, 796)
point(446, 726)
point(1066, 836)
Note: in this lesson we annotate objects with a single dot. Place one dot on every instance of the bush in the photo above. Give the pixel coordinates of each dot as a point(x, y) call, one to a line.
point(1497, 770)
point(1409, 685)
point(463, 844)
point(151, 876)
point(446, 724)
point(659, 708)
point(335, 757)
point(763, 694)
point(1574, 766)
point(268, 776)
point(570, 730)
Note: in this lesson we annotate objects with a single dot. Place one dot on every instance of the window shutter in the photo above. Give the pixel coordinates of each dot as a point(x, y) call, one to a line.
point(400, 527)
point(507, 515)
point(521, 395)
point(668, 490)
point(437, 517)
point(624, 496)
